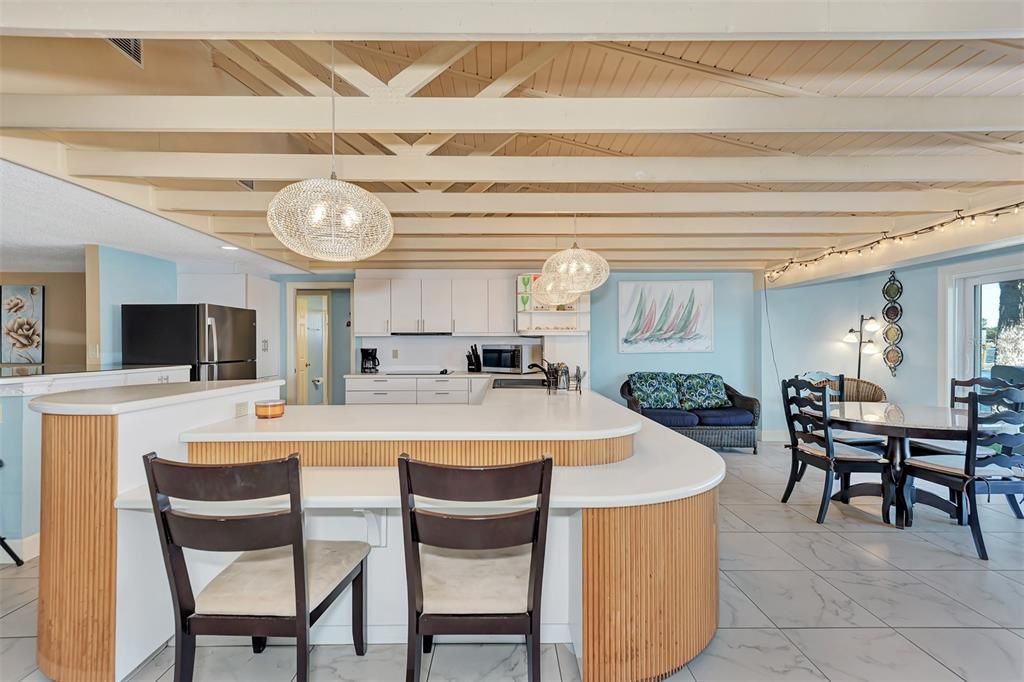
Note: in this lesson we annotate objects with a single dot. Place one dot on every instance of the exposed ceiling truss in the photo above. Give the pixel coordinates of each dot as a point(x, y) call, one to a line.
point(698, 156)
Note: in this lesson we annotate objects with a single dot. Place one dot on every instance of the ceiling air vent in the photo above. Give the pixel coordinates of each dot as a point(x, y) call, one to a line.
point(248, 184)
point(131, 47)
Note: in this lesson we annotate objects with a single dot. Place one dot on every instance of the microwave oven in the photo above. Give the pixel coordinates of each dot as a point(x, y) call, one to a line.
point(513, 358)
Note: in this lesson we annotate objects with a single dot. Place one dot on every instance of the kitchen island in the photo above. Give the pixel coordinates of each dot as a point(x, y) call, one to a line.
point(631, 576)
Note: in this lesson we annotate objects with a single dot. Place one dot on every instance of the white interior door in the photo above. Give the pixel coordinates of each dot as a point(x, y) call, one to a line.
point(301, 349)
point(469, 306)
point(405, 306)
point(436, 305)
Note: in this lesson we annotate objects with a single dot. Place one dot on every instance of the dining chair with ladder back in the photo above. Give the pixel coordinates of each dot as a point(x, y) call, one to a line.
point(280, 584)
point(994, 431)
point(812, 444)
point(469, 573)
point(837, 393)
point(959, 389)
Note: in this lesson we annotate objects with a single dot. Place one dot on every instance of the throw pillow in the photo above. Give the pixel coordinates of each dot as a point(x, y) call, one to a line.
point(701, 391)
point(654, 390)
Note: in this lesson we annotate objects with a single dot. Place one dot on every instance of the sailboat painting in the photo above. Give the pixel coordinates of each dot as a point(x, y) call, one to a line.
point(666, 317)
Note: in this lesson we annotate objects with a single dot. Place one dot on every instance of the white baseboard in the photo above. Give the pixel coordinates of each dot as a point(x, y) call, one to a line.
point(26, 548)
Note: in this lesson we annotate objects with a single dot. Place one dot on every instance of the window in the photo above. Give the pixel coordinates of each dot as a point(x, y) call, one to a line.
point(989, 330)
point(998, 325)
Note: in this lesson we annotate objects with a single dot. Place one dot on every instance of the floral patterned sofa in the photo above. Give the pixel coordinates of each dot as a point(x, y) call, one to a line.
point(704, 407)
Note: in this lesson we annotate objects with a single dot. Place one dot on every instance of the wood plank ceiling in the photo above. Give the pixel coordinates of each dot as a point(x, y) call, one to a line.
point(761, 181)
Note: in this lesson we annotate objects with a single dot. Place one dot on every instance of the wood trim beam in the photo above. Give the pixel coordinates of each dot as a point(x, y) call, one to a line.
point(923, 201)
point(597, 226)
point(162, 113)
point(429, 66)
point(411, 20)
point(622, 242)
point(548, 169)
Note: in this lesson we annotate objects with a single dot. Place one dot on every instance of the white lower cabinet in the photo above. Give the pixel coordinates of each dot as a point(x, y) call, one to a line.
point(434, 390)
point(380, 397)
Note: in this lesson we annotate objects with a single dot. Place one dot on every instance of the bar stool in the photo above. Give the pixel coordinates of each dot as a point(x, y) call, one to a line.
point(474, 574)
point(278, 587)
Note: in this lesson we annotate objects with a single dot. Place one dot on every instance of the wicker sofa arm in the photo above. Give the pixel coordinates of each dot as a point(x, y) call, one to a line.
point(752, 405)
point(631, 402)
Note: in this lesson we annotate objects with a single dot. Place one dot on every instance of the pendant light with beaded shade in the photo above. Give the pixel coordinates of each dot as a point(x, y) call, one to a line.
point(550, 290)
point(578, 270)
point(329, 219)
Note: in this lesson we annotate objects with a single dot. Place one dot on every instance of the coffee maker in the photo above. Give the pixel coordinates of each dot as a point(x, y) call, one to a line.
point(370, 362)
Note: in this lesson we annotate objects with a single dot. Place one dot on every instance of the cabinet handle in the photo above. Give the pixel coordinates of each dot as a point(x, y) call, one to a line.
point(380, 393)
point(453, 325)
point(441, 393)
point(380, 381)
point(441, 381)
point(387, 326)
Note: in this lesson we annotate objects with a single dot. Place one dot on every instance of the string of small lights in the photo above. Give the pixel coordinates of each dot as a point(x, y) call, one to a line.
point(959, 218)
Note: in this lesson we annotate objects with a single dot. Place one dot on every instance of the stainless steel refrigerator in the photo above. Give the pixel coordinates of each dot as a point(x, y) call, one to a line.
point(219, 342)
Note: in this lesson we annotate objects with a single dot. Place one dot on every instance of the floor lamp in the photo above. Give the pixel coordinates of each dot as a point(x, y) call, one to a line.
point(867, 346)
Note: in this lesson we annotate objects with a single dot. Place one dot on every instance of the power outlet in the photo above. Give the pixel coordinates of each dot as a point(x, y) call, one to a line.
point(241, 409)
point(394, 353)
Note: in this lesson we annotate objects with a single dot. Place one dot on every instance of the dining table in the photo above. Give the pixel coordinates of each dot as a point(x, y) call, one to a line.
point(898, 422)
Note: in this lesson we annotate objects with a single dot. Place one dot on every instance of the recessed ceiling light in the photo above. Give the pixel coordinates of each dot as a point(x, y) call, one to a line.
point(226, 247)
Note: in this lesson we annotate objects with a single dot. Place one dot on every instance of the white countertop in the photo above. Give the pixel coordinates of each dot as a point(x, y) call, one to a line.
point(122, 399)
point(506, 414)
point(665, 466)
point(7, 376)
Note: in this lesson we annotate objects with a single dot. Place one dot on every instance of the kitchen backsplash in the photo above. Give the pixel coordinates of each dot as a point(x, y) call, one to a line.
point(430, 353)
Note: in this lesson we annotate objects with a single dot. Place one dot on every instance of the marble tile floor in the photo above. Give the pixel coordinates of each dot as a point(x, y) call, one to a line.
point(852, 599)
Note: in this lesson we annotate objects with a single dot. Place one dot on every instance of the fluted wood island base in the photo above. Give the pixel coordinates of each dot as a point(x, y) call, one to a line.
point(631, 577)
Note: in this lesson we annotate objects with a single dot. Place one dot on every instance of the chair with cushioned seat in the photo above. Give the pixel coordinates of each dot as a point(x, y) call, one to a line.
point(811, 444)
point(959, 390)
point(470, 573)
point(836, 384)
point(993, 435)
point(280, 584)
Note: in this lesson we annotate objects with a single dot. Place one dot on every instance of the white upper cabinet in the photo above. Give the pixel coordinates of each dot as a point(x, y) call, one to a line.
point(470, 310)
point(501, 306)
point(371, 307)
point(406, 307)
point(436, 305)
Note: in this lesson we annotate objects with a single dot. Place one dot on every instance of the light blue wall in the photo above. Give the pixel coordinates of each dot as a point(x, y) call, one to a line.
point(735, 353)
point(11, 449)
point(341, 342)
point(126, 277)
point(338, 277)
point(809, 323)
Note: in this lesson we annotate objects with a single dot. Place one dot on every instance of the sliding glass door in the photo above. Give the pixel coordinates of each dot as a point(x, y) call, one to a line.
point(993, 344)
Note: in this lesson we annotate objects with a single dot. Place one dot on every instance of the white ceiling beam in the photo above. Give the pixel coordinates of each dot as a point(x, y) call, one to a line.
point(513, 20)
point(527, 266)
point(292, 70)
point(621, 256)
point(159, 113)
point(255, 67)
point(549, 244)
point(344, 68)
point(549, 169)
point(603, 226)
point(923, 201)
point(429, 66)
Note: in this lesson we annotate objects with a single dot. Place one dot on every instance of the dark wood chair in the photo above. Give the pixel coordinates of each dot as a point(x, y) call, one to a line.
point(836, 384)
point(959, 389)
point(474, 574)
point(812, 444)
point(298, 579)
point(993, 434)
